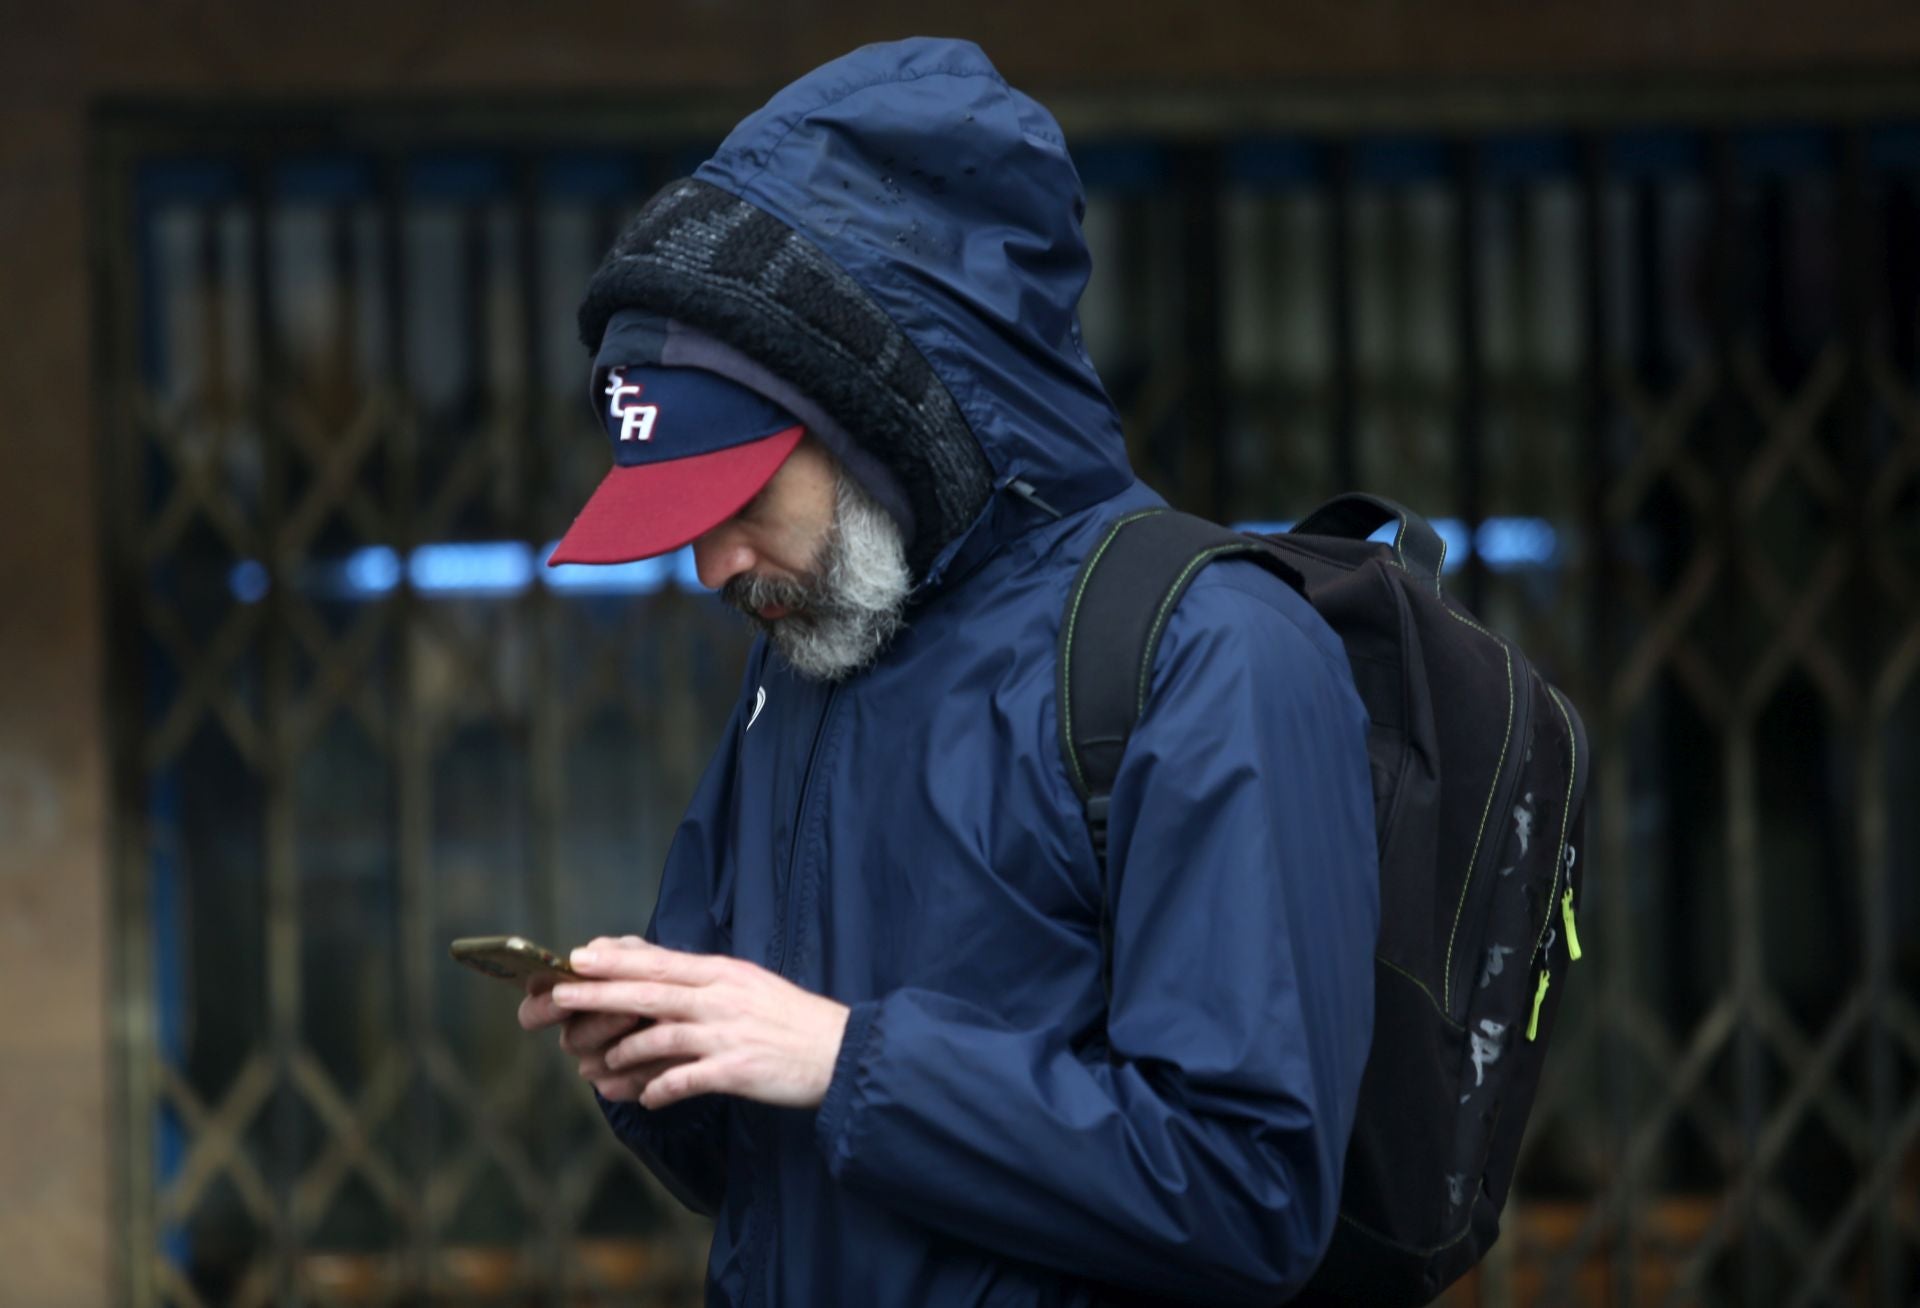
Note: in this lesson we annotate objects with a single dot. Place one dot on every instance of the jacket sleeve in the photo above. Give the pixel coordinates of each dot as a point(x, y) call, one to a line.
point(1201, 1155)
point(685, 1144)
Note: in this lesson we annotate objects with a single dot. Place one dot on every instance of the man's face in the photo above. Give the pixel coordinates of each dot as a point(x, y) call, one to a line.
point(782, 531)
point(813, 562)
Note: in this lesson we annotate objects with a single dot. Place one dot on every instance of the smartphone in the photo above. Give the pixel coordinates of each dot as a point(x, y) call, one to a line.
point(511, 958)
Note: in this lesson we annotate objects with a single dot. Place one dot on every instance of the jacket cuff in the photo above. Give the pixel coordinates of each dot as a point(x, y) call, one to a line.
point(831, 1125)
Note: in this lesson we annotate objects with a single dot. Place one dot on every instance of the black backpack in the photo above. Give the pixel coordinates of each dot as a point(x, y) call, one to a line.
point(1479, 783)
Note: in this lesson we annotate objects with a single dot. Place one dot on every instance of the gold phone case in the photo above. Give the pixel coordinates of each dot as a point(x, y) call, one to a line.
point(511, 958)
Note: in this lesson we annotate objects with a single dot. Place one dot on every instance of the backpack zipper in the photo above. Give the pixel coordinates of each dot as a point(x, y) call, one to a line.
point(1574, 762)
point(1505, 784)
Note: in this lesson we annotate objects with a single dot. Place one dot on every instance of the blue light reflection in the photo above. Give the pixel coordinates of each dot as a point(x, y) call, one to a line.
point(1504, 544)
point(507, 568)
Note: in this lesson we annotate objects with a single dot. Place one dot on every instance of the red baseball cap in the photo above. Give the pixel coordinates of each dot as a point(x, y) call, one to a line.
point(690, 448)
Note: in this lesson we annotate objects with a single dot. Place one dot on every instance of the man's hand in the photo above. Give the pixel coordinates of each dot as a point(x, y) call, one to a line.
point(587, 1036)
point(720, 1026)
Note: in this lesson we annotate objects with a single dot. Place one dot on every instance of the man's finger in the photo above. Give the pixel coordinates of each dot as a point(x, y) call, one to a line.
point(643, 998)
point(610, 945)
point(591, 1033)
point(641, 961)
point(662, 1042)
point(618, 1089)
point(628, 1084)
point(538, 1011)
point(702, 1076)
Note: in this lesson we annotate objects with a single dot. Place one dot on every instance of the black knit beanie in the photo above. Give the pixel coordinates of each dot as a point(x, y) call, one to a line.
point(703, 256)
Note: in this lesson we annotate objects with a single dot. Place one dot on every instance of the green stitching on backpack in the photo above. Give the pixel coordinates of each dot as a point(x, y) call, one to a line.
point(1166, 608)
point(1447, 976)
point(1461, 617)
point(1437, 1006)
point(1066, 657)
point(1400, 557)
point(1566, 817)
point(1378, 1238)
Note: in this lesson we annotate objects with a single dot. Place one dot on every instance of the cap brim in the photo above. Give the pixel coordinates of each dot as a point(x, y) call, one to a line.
point(650, 508)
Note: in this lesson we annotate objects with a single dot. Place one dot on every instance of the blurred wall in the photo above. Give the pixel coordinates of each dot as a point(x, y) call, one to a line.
point(57, 61)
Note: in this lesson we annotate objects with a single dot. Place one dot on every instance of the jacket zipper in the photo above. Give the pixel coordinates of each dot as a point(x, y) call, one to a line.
point(762, 1215)
point(790, 908)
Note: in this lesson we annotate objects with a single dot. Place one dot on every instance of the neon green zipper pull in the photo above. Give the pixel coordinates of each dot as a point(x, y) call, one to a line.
point(1539, 998)
point(1566, 912)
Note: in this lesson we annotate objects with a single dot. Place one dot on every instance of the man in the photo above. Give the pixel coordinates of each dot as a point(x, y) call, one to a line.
point(871, 1029)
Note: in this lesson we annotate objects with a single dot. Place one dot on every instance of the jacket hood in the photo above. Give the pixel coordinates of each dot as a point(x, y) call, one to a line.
point(948, 199)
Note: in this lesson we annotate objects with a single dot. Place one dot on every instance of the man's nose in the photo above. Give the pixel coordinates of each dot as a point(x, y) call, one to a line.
point(721, 555)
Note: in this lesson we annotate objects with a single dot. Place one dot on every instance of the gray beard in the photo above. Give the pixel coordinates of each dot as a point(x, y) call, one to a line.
point(844, 614)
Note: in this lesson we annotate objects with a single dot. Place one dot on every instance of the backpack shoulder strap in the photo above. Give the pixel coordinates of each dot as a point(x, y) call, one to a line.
point(1116, 612)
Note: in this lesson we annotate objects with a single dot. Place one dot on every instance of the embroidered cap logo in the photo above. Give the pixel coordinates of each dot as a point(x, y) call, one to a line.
point(636, 420)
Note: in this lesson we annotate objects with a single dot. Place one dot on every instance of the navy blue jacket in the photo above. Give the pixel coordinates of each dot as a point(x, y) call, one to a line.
point(996, 1130)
